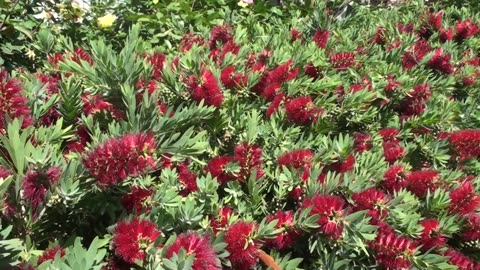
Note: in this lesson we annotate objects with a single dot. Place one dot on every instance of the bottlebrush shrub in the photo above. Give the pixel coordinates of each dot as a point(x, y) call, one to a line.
point(350, 147)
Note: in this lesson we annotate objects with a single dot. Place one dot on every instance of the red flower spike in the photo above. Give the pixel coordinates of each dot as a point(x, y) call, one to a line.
point(371, 199)
point(13, 103)
point(206, 88)
point(431, 236)
point(379, 37)
point(321, 38)
point(471, 231)
point(343, 166)
point(464, 200)
point(37, 183)
point(216, 168)
point(132, 239)
point(420, 182)
point(465, 143)
point(286, 238)
point(393, 152)
point(446, 34)
point(300, 160)
point(232, 80)
point(273, 107)
point(465, 29)
point(157, 60)
point(200, 247)
point(134, 201)
point(302, 111)
point(312, 71)
point(394, 179)
point(342, 60)
point(418, 51)
point(389, 134)
point(220, 222)
point(250, 158)
point(80, 55)
point(362, 142)
point(441, 62)
point(188, 40)
point(50, 253)
point(187, 178)
point(220, 34)
point(118, 158)
point(242, 248)
point(461, 261)
point(330, 209)
point(435, 20)
point(393, 251)
point(296, 35)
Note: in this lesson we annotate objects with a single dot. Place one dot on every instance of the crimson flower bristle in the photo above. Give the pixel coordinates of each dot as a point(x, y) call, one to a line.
point(200, 247)
point(118, 158)
point(133, 238)
point(242, 248)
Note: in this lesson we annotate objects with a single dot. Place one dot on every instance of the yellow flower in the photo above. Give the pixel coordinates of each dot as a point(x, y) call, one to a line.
point(106, 21)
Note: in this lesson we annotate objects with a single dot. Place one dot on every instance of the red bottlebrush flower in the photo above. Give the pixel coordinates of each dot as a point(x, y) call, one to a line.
point(464, 200)
point(441, 62)
point(435, 20)
point(134, 201)
point(461, 261)
point(379, 37)
point(420, 182)
point(342, 60)
point(200, 247)
point(321, 38)
point(373, 200)
point(471, 231)
point(220, 222)
point(80, 55)
point(431, 236)
point(465, 29)
point(242, 248)
point(446, 34)
point(36, 184)
point(296, 35)
point(157, 60)
point(187, 178)
point(302, 111)
point(117, 158)
point(300, 159)
point(218, 55)
point(343, 166)
point(394, 179)
point(250, 158)
point(418, 51)
point(206, 88)
point(421, 91)
point(276, 77)
point(50, 253)
point(297, 194)
point(406, 28)
point(220, 34)
point(465, 143)
point(96, 104)
point(312, 71)
point(4, 172)
point(13, 103)
point(188, 40)
point(330, 209)
point(50, 82)
point(286, 238)
point(232, 80)
point(54, 59)
point(273, 107)
point(82, 138)
point(132, 239)
point(393, 251)
point(392, 152)
point(216, 167)
point(362, 142)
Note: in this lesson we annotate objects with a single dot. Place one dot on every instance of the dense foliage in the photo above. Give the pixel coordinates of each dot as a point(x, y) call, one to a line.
point(321, 141)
